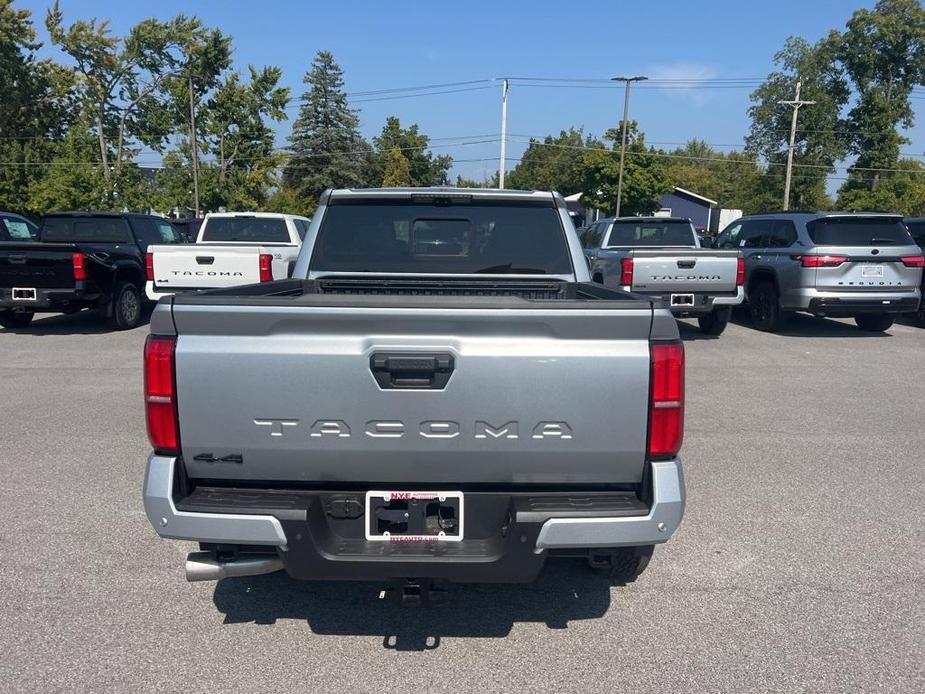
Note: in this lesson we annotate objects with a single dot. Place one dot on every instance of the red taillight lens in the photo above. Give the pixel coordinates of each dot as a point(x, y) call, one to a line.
point(161, 395)
point(821, 260)
point(666, 413)
point(79, 261)
point(913, 261)
point(626, 272)
point(740, 272)
point(149, 266)
point(266, 267)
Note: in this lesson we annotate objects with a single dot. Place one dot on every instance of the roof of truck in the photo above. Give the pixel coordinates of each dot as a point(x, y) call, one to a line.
point(444, 191)
point(264, 215)
point(648, 218)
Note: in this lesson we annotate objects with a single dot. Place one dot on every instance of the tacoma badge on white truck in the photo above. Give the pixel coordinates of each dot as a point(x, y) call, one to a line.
point(232, 249)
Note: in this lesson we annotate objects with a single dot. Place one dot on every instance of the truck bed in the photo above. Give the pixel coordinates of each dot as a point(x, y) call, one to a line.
point(293, 382)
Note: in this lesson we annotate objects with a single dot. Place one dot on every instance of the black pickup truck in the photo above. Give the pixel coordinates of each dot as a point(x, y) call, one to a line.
point(84, 260)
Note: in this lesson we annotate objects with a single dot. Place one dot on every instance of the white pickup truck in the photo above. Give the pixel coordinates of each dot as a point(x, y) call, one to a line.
point(232, 249)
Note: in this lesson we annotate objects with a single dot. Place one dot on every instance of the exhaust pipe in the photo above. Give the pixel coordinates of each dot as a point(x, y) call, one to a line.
point(200, 566)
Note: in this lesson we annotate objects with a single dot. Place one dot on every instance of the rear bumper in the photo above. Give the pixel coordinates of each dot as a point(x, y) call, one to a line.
point(509, 542)
point(702, 302)
point(845, 304)
point(51, 300)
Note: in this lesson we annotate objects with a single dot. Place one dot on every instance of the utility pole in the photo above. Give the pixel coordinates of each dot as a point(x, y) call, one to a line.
point(795, 104)
point(626, 107)
point(501, 162)
point(194, 148)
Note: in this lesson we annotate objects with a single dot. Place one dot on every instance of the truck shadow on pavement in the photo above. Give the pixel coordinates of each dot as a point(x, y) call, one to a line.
point(804, 325)
point(566, 590)
point(80, 323)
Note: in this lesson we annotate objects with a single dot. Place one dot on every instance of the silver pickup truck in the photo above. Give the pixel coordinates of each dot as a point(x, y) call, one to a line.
point(440, 393)
point(661, 257)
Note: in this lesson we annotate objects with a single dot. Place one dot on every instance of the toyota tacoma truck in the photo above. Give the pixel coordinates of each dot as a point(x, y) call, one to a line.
point(231, 249)
point(438, 393)
point(85, 260)
point(661, 257)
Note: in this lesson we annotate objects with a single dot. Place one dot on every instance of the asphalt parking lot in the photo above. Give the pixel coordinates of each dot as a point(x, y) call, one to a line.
point(799, 565)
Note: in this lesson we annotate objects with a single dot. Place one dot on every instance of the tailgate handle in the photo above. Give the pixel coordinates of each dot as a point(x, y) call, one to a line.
point(17, 259)
point(404, 370)
point(205, 259)
point(686, 264)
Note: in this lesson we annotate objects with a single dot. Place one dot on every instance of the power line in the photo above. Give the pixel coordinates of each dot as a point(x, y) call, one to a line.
point(375, 92)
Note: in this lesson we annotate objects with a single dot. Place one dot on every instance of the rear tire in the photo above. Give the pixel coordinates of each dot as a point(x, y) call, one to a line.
point(125, 312)
point(715, 322)
point(874, 322)
point(621, 564)
point(16, 319)
point(764, 306)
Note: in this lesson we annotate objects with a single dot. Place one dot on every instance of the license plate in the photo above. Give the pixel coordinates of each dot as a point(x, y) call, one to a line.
point(871, 271)
point(682, 299)
point(23, 294)
point(403, 516)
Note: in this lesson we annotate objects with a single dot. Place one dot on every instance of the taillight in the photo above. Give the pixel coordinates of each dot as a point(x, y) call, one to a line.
point(740, 272)
point(149, 266)
point(266, 267)
point(79, 261)
point(161, 395)
point(666, 400)
point(821, 260)
point(626, 272)
point(913, 261)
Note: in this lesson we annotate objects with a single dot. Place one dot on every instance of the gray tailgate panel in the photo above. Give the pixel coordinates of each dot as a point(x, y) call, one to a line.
point(295, 366)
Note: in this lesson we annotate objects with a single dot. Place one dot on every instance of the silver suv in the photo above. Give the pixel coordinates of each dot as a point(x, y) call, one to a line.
point(860, 265)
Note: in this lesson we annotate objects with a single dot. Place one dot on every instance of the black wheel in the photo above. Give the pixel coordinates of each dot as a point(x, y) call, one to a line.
point(764, 306)
point(621, 564)
point(126, 307)
point(874, 322)
point(715, 322)
point(16, 319)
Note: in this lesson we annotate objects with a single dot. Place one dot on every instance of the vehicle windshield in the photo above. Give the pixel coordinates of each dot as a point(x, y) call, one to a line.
point(16, 229)
point(651, 233)
point(85, 229)
point(481, 237)
point(246, 230)
point(857, 231)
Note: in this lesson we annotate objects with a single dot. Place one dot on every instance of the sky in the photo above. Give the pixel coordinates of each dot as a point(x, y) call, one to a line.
point(385, 45)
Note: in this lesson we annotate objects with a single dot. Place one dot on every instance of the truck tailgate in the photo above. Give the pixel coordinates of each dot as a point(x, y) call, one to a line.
point(538, 392)
point(684, 270)
point(204, 266)
point(36, 265)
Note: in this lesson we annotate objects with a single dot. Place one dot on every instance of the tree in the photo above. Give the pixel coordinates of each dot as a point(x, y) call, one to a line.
point(233, 129)
point(901, 191)
point(645, 179)
point(821, 138)
point(486, 182)
point(397, 170)
point(123, 81)
point(35, 111)
point(326, 149)
point(730, 178)
point(425, 169)
point(555, 163)
point(72, 179)
point(884, 53)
